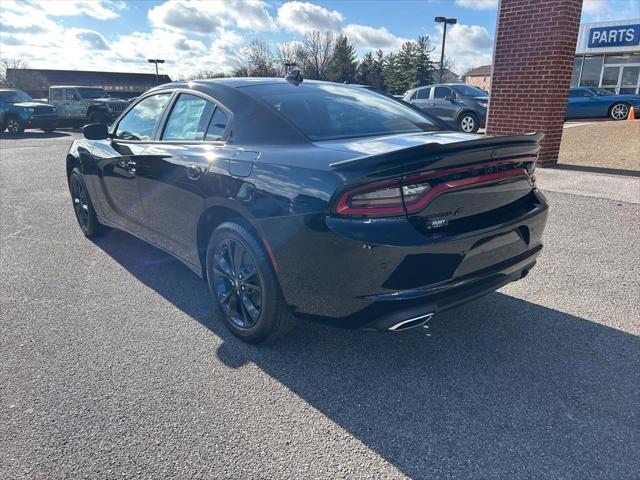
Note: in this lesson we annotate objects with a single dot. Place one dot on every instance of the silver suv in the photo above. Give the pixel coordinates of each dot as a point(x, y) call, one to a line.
point(454, 103)
point(79, 105)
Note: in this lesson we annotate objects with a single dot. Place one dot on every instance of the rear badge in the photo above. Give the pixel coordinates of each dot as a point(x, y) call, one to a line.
point(437, 223)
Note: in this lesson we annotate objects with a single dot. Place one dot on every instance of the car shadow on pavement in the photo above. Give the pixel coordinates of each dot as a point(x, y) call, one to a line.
point(35, 134)
point(499, 388)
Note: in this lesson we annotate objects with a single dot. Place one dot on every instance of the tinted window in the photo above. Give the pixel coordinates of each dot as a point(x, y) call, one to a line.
point(56, 94)
point(441, 92)
point(423, 93)
point(580, 92)
point(217, 125)
point(188, 119)
point(140, 121)
point(468, 91)
point(328, 111)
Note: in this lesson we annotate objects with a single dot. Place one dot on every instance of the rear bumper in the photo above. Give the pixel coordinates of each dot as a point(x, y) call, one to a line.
point(370, 274)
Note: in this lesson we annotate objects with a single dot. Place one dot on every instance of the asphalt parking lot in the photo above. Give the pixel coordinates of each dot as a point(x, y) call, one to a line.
point(113, 364)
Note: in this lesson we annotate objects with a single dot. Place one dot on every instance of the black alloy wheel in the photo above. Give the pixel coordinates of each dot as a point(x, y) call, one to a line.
point(243, 283)
point(14, 125)
point(85, 214)
point(237, 283)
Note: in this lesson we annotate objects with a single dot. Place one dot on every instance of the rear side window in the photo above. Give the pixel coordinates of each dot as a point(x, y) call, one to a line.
point(56, 94)
point(140, 122)
point(423, 93)
point(71, 94)
point(217, 125)
point(441, 92)
point(189, 119)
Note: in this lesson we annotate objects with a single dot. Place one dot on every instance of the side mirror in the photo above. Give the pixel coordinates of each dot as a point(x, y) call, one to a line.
point(95, 131)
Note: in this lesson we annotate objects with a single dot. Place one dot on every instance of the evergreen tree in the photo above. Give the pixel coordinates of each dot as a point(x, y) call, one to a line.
point(392, 77)
point(366, 70)
point(344, 64)
point(424, 68)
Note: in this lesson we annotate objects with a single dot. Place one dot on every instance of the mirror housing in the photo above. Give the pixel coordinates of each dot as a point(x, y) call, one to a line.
point(95, 131)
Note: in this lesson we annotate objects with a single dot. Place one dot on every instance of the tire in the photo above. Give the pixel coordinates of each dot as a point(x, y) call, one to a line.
point(262, 315)
point(14, 125)
point(468, 122)
point(82, 206)
point(619, 111)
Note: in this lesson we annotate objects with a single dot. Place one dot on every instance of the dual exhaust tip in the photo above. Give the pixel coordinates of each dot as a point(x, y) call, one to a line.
point(411, 322)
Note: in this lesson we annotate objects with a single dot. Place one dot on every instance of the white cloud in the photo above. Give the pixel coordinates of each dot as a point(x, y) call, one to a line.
point(603, 10)
point(97, 9)
point(478, 4)
point(467, 45)
point(89, 39)
point(303, 17)
point(202, 17)
point(369, 38)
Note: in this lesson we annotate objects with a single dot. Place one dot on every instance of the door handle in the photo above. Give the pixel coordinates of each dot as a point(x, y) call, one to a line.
point(131, 167)
point(194, 172)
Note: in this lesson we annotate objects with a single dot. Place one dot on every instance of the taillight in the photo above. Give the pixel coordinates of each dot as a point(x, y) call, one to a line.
point(412, 193)
point(377, 199)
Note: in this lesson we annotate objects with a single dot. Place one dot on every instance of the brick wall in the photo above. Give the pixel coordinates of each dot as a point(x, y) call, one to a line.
point(532, 63)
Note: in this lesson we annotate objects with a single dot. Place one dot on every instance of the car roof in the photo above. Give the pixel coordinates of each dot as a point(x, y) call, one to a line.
point(76, 86)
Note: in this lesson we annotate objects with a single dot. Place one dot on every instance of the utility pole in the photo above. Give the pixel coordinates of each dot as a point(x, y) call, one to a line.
point(446, 21)
point(156, 61)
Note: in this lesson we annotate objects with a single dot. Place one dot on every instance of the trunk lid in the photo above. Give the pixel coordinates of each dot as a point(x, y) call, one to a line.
point(446, 179)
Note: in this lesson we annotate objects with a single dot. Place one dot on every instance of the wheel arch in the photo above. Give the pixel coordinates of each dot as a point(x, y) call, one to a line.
point(213, 217)
point(617, 102)
point(72, 162)
point(464, 111)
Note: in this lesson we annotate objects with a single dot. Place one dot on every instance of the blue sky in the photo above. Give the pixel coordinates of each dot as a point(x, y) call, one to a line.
point(210, 34)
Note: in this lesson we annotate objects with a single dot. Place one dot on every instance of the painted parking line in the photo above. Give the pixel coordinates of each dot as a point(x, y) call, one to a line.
point(571, 125)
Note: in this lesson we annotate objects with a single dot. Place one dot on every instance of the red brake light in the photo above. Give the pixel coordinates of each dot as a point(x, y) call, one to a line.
point(376, 199)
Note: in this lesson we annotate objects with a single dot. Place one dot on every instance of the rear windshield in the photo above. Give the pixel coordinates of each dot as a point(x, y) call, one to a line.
point(330, 111)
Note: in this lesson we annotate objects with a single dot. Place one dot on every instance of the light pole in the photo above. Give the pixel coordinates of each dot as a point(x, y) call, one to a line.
point(446, 21)
point(156, 61)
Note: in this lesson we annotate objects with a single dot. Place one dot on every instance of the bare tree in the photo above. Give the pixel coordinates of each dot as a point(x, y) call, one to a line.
point(259, 61)
point(286, 57)
point(15, 73)
point(315, 55)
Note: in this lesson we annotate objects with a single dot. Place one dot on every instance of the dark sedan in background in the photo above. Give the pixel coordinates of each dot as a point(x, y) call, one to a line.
point(461, 106)
point(594, 102)
point(325, 200)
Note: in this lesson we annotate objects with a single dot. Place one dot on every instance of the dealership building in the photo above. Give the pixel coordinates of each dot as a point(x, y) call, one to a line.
point(608, 56)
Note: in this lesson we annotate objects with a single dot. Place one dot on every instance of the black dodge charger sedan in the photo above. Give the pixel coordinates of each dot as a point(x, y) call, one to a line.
point(311, 198)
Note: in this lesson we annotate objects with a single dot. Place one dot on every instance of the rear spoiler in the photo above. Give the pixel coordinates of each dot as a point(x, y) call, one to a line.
point(498, 147)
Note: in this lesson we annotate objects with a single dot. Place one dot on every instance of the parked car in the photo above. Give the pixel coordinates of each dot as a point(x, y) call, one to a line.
point(457, 104)
point(325, 200)
point(78, 105)
point(587, 102)
point(19, 111)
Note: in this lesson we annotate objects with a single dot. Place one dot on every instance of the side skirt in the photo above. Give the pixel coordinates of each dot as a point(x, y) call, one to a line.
point(195, 268)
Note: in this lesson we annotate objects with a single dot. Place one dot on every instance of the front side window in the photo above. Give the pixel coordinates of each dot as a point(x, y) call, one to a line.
point(189, 119)
point(329, 112)
point(442, 92)
point(140, 122)
point(56, 95)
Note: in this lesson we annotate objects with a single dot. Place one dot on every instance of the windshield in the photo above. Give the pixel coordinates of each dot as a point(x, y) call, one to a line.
point(333, 111)
point(15, 96)
point(601, 92)
point(92, 93)
point(468, 91)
